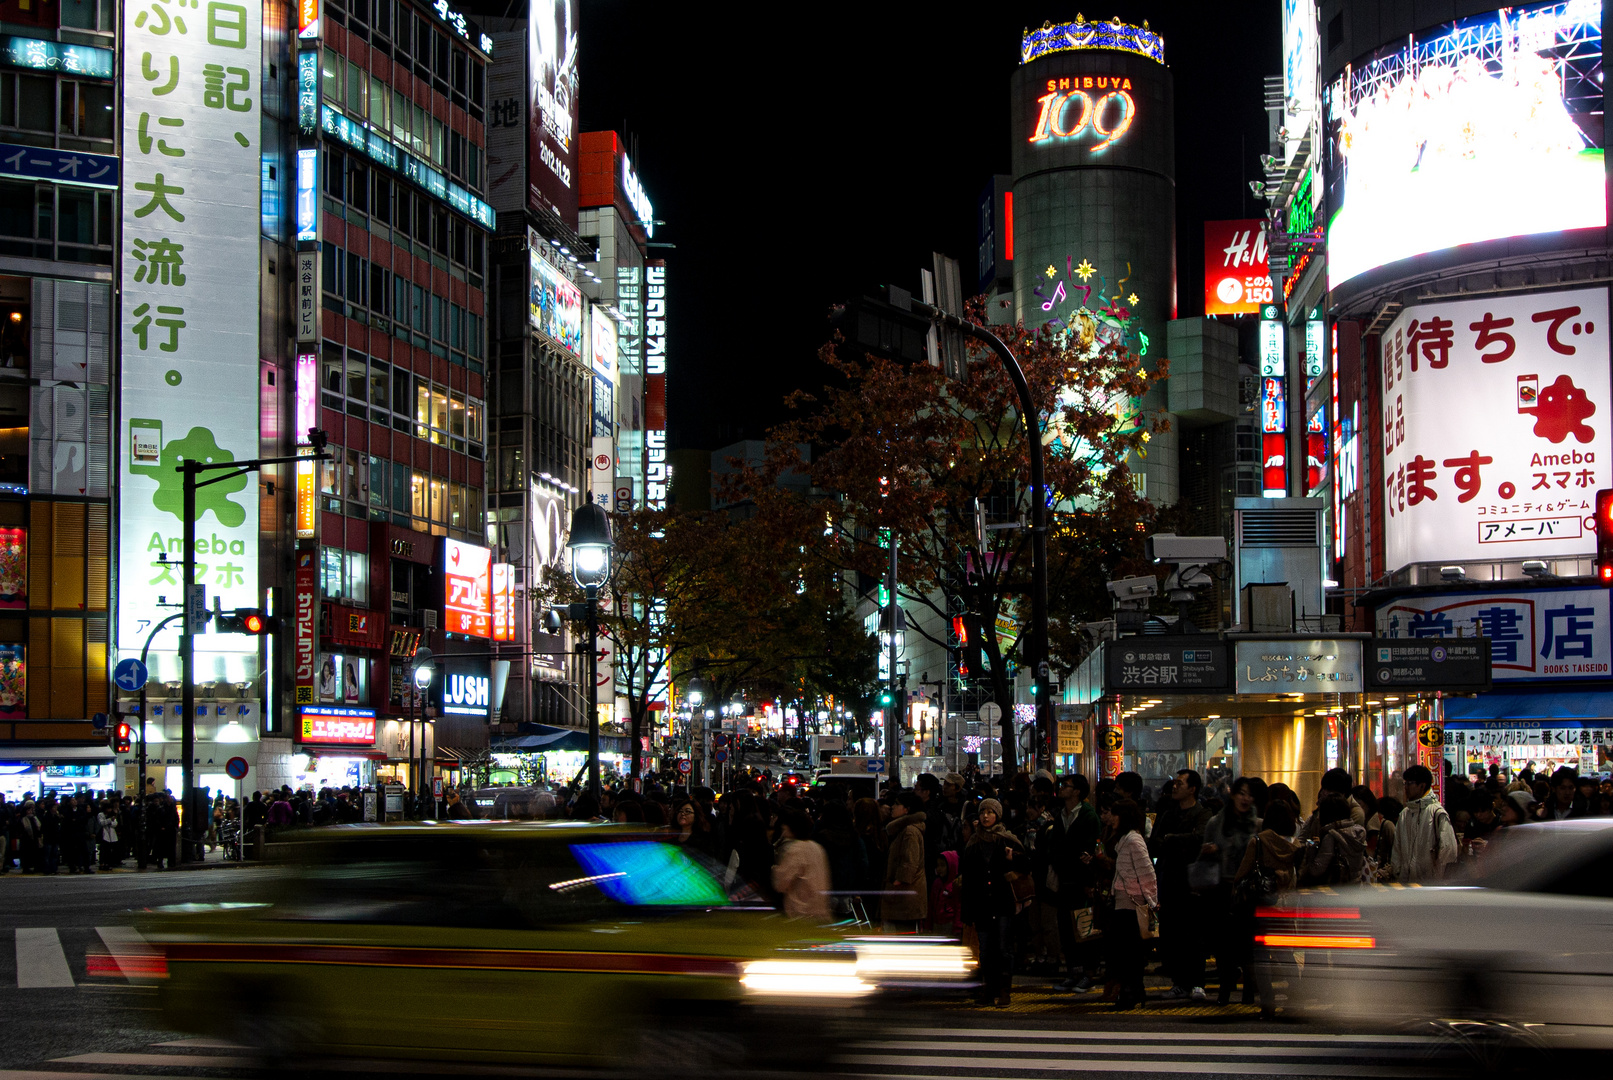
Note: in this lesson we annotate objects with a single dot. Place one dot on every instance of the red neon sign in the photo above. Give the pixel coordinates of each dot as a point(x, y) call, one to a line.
point(1113, 100)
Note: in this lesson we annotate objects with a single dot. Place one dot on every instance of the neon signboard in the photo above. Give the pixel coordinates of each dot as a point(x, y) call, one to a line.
point(1104, 107)
point(467, 588)
point(308, 194)
point(338, 725)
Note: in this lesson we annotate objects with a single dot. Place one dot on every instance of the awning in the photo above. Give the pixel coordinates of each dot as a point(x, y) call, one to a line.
point(543, 738)
point(1556, 705)
point(55, 754)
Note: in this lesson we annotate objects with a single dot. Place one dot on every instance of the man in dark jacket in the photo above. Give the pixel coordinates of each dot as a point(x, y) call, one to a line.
point(1176, 842)
point(1071, 832)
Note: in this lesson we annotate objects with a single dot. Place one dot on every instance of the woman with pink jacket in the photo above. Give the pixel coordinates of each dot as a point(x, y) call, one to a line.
point(1136, 899)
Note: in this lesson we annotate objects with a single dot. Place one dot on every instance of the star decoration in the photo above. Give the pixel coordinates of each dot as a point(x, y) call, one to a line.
point(1085, 270)
point(1052, 271)
point(1132, 299)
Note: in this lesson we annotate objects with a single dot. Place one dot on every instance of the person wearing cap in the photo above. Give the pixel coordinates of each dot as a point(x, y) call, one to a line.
point(988, 899)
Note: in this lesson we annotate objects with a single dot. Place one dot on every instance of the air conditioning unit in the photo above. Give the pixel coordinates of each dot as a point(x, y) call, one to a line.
point(428, 618)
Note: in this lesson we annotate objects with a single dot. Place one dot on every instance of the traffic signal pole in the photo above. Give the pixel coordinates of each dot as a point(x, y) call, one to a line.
point(191, 471)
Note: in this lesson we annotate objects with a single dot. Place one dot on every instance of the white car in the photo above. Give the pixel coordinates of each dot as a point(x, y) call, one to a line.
point(1521, 948)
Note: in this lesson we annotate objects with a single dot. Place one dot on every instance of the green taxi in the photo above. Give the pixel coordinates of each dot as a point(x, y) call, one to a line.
point(556, 943)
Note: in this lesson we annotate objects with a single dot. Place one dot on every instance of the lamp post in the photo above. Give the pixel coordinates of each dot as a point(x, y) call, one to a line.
point(422, 670)
point(590, 545)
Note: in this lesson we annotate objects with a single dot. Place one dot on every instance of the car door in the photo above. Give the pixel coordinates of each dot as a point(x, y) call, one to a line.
point(1573, 979)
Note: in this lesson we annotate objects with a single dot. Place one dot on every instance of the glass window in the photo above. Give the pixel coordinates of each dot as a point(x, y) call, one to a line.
point(456, 414)
point(330, 75)
point(439, 143)
point(378, 482)
point(333, 375)
point(400, 118)
point(439, 409)
point(422, 407)
point(380, 384)
point(358, 578)
point(456, 330)
point(417, 495)
point(356, 479)
point(439, 501)
point(75, 215)
point(96, 110)
point(357, 376)
point(358, 186)
point(330, 474)
point(330, 584)
point(417, 131)
point(400, 391)
point(357, 90)
point(456, 505)
point(401, 487)
point(36, 103)
point(379, 99)
point(417, 309)
point(473, 420)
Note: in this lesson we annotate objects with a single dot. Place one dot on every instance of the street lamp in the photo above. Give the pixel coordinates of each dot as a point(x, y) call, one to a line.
point(422, 672)
point(590, 545)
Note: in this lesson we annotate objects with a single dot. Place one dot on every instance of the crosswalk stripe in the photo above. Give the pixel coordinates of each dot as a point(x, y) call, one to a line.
point(1170, 1036)
point(41, 963)
point(1253, 1068)
point(133, 955)
point(192, 1061)
point(1183, 1050)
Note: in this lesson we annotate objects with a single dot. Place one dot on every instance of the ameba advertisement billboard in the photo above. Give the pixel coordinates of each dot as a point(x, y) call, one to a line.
point(1486, 127)
point(1495, 433)
point(552, 108)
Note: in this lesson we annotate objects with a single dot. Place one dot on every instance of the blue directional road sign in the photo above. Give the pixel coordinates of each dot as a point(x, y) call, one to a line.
point(876, 764)
point(130, 675)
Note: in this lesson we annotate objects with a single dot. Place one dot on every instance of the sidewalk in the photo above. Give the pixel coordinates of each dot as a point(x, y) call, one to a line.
point(211, 860)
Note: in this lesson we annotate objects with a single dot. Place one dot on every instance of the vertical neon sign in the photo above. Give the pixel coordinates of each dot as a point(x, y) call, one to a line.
point(1273, 405)
point(308, 194)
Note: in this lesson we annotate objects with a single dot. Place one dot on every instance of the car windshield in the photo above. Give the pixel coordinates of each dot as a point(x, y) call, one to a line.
point(1529, 858)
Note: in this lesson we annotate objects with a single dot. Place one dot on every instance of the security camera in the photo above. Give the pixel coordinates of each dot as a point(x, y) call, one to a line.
point(1452, 573)
point(1170, 548)
point(1133, 593)
point(1537, 568)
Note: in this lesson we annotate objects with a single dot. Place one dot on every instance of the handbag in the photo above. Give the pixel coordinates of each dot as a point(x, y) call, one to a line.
point(1257, 887)
point(1204, 875)
point(1147, 923)
point(1023, 886)
point(1086, 927)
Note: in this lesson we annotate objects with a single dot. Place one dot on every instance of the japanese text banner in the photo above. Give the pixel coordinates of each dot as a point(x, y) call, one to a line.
point(1495, 427)
point(191, 197)
point(1556, 634)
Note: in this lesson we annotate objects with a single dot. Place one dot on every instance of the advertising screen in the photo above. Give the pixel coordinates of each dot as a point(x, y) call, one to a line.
point(1237, 279)
point(1487, 127)
point(556, 302)
point(1495, 428)
point(467, 588)
point(552, 108)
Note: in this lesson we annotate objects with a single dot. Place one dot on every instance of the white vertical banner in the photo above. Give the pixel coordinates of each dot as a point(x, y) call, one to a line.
point(192, 89)
point(602, 476)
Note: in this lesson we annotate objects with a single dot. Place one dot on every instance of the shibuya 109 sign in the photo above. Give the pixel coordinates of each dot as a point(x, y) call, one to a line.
point(1097, 107)
point(1495, 427)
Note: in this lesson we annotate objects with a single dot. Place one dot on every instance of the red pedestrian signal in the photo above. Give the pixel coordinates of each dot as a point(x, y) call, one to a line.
point(122, 738)
point(1604, 537)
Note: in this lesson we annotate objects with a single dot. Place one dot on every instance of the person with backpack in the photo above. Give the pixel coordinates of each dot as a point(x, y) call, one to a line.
point(1425, 841)
point(1339, 857)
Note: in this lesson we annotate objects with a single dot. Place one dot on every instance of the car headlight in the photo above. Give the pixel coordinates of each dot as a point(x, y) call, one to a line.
point(913, 960)
point(816, 978)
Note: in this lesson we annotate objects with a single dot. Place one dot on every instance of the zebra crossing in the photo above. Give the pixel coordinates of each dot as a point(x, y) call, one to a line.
point(41, 956)
point(1004, 1054)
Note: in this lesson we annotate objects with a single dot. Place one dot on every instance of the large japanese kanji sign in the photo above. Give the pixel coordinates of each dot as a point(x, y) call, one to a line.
point(1496, 422)
point(1551, 634)
point(192, 92)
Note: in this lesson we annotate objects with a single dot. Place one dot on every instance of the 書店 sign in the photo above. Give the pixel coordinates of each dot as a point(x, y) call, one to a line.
point(1556, 634)
point(1428, 664)
point(1160, 663)
point(1317, 666)
point(1495, 428)
point(191, 226)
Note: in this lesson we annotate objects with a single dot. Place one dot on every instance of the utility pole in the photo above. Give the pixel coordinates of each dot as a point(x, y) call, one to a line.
point(893, 736)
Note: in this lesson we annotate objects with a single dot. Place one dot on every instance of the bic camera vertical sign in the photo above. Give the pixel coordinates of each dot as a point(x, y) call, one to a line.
point(191, 196)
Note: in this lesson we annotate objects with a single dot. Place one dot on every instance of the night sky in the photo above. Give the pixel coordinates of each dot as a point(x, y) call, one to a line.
point(795, 163)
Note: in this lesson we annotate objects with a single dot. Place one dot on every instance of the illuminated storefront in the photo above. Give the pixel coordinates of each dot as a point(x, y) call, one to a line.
point(336, 747)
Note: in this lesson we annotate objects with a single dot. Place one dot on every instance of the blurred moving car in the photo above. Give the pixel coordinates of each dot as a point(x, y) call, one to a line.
point(559, 943)
point(1525, 943)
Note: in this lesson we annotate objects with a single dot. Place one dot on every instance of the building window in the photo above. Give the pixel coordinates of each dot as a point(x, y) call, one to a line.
point(345, 576)
point(43, 221)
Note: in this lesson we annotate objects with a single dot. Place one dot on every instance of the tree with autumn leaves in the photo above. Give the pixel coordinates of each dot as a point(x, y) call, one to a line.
point(905, 449)
point(730, 597)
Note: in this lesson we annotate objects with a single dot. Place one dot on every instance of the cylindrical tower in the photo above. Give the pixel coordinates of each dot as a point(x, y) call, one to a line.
point(1094, 187)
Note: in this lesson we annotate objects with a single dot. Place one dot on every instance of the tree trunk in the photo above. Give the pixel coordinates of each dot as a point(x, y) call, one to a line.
point(638, 742)
point(1004, 696)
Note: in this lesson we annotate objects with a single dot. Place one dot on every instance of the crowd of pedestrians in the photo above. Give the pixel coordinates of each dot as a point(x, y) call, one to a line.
point(88, 832)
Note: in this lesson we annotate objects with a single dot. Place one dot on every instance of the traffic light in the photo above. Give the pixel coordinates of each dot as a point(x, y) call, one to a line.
point(1604, 537)
point(885, 697)
point(122, 735)
point(243, 620)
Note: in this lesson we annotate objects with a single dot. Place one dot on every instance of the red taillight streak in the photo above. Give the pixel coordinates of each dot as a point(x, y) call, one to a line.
point(1317, 913)
point(1315, 941)
point(134, 966)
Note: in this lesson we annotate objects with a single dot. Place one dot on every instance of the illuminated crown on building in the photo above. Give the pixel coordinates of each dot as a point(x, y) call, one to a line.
point(1080, 34)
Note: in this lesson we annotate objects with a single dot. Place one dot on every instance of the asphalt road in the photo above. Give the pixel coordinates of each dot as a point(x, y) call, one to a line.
point(70, 1014)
